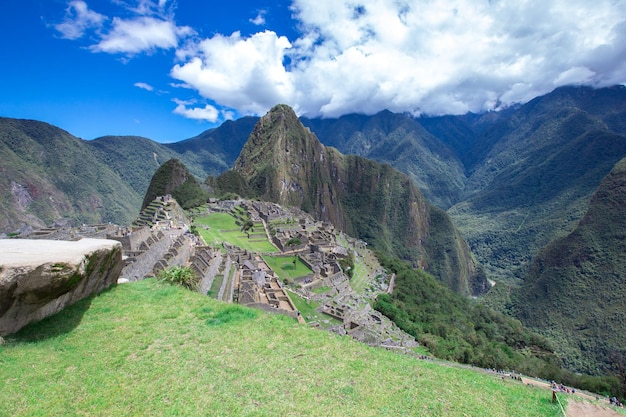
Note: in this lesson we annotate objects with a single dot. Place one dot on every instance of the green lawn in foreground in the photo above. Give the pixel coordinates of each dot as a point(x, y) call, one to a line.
point(222, 228)
point(145, 348)
point(284, 267)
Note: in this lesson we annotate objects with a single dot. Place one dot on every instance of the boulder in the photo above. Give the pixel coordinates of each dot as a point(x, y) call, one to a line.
point(39, 278)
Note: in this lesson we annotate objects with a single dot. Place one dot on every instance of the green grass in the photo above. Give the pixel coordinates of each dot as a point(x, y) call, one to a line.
point(221, 227)
point(150, 349)
point(284, 268)
point(215, 286)
point(321, 290)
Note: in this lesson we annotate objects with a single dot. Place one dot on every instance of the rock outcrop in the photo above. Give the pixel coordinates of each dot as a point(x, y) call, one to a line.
point(39, 278)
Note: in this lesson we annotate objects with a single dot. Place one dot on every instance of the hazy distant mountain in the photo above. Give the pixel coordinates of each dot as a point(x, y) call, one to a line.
point(285, 163)
point(576, 289)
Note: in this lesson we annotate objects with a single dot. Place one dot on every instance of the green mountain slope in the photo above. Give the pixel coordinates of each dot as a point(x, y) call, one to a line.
point(173, 178)
point(48, 175)
point(400, 141)
point(51, 175)
point(576, 289)
point(541, 166)
point(284, 162)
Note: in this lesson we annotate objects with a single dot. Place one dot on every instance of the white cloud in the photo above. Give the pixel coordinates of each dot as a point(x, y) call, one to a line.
point(259, 19)
point(427, 56)
point(141, 34)
point(246, 74)
point(207, 113)
point(78, 19)
point(144, 86)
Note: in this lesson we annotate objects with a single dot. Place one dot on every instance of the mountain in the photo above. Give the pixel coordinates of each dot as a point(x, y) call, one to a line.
point(400, 141)
point(49, 175)
point(575, 290)
point(215, 150)
point(285, 163)
point(173, 178)
point(532, 172)
point(512, 180)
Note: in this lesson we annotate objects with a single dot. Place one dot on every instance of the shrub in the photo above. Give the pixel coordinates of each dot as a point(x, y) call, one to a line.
point(179, 275)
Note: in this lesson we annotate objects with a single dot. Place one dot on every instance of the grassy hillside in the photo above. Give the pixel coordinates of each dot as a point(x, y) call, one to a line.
point(149, 349)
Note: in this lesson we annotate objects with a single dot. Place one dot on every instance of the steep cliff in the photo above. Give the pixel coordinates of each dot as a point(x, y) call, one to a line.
point(576, 289)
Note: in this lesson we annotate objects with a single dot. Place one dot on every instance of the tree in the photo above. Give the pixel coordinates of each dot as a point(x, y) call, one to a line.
point(247, 226)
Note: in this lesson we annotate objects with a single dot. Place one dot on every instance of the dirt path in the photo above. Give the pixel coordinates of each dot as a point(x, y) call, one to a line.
point(584, 409)
point(579, 408)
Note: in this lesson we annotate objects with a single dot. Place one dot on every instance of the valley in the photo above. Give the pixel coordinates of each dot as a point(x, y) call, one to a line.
point(514, 197)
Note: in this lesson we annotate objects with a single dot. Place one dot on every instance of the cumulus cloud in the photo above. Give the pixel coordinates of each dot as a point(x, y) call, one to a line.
point(151, 26)
point(424, 57)
point(206, 113)
point(78, 19)
point(144, 86)
point(141, 34)
point(246, 74)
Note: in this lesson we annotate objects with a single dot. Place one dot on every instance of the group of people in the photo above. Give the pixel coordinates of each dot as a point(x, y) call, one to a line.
point(614, 401)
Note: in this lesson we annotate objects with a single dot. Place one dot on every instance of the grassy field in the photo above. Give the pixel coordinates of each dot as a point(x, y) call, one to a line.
point(221, 227)
point(284, 267)
point(149, 349)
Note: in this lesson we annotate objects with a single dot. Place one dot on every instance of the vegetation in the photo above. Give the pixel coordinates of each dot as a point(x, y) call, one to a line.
point(179, 275)
point(49, 176)
point(173, 178)
point(456, 328)
point(150, 349)
point(574, 290)
point(216, 228)
point(286, 268)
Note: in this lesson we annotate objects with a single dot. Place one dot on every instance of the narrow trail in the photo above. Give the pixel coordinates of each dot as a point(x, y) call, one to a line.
point(577, 408)
point(585, 409)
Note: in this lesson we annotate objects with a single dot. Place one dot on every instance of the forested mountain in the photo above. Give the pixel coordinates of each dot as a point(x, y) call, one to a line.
point(400, 141)
point(512, 180)
point(533, 172)
point(285, 163)
point(575, 290)
point(50, 175)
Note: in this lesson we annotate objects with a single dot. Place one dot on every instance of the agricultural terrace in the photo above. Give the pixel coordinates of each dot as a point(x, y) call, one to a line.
point(216, 228)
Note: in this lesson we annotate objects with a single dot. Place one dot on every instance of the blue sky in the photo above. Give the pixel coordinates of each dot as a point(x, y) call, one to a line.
point(168, 70)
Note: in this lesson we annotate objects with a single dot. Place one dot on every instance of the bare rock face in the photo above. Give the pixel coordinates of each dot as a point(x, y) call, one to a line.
point(39, 278)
